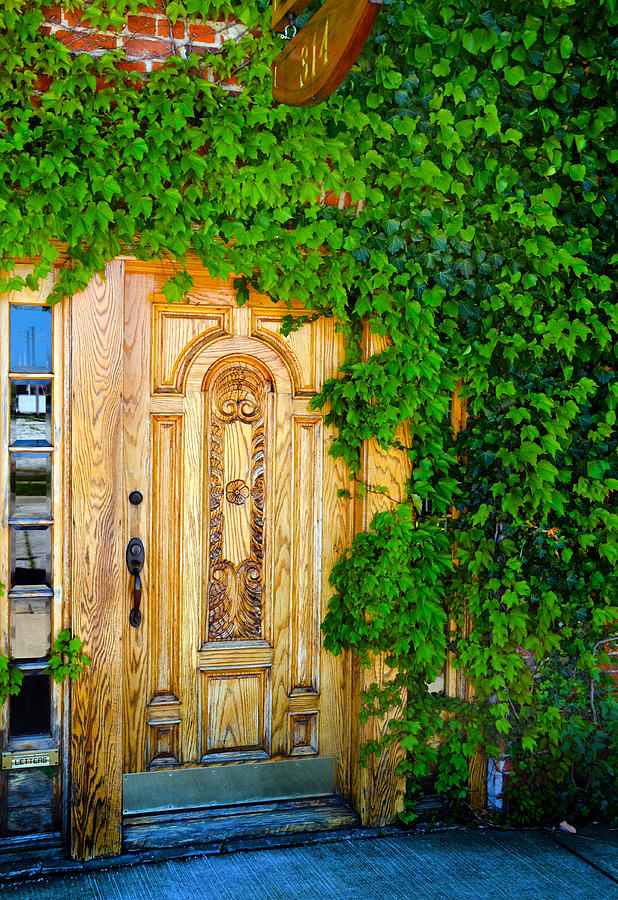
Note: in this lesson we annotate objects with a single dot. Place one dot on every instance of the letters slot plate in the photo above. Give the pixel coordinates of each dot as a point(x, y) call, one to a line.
point(30, 759)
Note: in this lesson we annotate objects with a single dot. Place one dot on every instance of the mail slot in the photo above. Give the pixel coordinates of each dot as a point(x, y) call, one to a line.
point(30, 759)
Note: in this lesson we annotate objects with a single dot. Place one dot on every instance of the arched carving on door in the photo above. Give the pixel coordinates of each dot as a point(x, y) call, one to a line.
point(268, 346)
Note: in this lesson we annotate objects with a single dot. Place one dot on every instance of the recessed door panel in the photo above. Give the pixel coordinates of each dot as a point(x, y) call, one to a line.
point(237, 430)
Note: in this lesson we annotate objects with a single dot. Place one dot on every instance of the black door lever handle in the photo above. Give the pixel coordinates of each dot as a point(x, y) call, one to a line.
point(135, 563)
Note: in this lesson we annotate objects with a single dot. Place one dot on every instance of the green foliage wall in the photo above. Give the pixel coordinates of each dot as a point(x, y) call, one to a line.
point(482, 138)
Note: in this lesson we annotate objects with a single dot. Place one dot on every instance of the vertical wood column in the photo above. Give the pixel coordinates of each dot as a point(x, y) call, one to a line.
point(137, 468)
point(457, 685)
point(377, 790)
point(337, 717)
point(99, 606)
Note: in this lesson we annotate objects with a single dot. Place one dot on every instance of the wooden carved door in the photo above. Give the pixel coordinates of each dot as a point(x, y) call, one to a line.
point(239, 517)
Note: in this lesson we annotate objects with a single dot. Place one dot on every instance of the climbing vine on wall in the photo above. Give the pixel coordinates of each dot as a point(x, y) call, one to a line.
point(480, 139)
point(65, 661)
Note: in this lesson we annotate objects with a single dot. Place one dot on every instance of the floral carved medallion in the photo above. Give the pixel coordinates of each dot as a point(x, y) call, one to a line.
point(236, 492)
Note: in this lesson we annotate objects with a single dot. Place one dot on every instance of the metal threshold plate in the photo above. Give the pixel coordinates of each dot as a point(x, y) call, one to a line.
point(224, 785)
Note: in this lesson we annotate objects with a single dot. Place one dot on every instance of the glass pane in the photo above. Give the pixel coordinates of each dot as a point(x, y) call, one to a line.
point(30, 556)
point(30, 627)
point(31, 339)
point(29, 711)
point(31, 422)
point(437, 686)
point(31, 485)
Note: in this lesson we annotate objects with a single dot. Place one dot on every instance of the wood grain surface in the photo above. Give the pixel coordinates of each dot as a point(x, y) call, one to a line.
point(163, 623)
point(246, 821)
point(240, 516)
point(315, 62)
point(457, 684)
point(97, 564)
point(378, 791)
point(307, 554)
point(137, 476)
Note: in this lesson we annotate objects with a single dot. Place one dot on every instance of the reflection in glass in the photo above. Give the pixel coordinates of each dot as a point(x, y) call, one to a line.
point(31, 422)
point(30, 557)
point(31, 485)
point(31, 339)
point(29, 711)
point(437, 686)
point(30, 627)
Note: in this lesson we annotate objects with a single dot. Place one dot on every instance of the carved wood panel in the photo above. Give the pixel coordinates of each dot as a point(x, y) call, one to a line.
point(179, 332)
point(301, 350)
point(303, 734)
point(237, 417)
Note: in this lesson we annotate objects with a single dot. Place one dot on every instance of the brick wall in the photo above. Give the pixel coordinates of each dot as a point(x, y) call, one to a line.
point(611, 648)
point(148, 39)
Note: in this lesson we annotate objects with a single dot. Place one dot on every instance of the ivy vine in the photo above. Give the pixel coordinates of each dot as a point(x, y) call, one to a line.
point(66, 660)
point(479, 137)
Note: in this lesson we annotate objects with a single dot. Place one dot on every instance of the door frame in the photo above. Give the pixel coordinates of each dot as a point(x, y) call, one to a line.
point(97, 576)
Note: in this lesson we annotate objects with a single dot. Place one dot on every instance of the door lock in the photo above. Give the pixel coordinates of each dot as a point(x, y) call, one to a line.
point(135, 563)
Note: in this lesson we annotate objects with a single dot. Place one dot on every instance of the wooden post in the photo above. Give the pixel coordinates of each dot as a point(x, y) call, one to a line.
point(97, 575)
point(377, 790)
point(457, 685)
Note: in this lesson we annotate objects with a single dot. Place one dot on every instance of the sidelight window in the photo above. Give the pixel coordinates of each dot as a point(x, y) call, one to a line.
point(30, 558)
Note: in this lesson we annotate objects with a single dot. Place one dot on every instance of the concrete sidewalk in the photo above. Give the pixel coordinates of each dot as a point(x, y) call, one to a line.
point(462, 863)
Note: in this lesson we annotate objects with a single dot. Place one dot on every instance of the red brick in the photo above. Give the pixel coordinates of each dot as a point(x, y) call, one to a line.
point(231, 20)
point(331, 199)
point(85, 42)
point(102, 84)
point(136, 46)
point(135, 65)
point(43, 83)
point(53, 14)
point(202, 49)
point(74, 18)
point(156, 64)
point(81, 19)
point(141, 24)
point(179, 28)
point(202, 33)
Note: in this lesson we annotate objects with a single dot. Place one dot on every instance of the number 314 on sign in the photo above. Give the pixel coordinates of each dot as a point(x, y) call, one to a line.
point(321, 54)
point(318, 58)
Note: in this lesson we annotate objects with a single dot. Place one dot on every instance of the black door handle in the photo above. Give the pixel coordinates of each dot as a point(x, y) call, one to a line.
point(135, 563)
